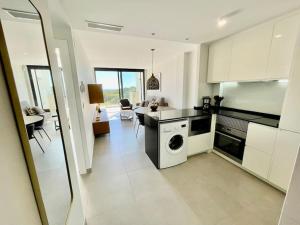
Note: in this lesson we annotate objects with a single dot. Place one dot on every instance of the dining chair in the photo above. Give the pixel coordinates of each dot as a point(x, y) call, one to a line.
point(40, 126)
point(141, 120)
point(30, 133)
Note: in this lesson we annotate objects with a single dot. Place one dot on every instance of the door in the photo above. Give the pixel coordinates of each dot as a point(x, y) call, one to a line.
point(283, 45)
point(290, 119)
point(285, 154)
point(232, 147)
point(219, 60)
point(119, 84)
point(250, 51)
point(42, 87)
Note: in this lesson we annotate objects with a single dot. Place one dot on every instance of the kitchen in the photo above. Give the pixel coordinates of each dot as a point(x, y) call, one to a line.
point(257, 125)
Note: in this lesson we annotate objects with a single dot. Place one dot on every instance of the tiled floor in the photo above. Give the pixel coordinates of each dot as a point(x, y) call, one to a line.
point(52, 174)
point(126, 189)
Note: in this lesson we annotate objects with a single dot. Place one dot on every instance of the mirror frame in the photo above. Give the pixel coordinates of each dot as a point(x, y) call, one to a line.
point(20, 124)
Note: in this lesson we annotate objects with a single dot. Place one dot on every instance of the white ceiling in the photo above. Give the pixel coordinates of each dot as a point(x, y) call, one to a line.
point(111, 50)
point(175, 19)
point(25, 43)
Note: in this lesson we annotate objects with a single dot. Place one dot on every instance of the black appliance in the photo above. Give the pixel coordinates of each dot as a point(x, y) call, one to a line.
point(206, 103)
point(218, 100)
point(230, 137)
point(199, 125)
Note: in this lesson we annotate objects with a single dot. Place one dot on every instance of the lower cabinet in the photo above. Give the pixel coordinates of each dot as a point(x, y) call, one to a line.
point(284, 157)
point(257, 161)
point(199, 143)
point(270, 153)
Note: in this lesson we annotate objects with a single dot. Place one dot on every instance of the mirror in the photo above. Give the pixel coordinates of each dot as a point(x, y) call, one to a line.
point(32, 75)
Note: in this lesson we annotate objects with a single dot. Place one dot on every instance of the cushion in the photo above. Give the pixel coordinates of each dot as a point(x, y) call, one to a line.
point(30, 112)
point(38, 110)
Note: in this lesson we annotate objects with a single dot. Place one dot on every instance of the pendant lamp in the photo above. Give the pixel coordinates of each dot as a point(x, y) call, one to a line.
point(152, 82)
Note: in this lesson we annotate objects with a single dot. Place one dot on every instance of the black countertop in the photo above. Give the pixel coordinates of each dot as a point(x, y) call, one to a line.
point(255, 117)
point(176, 114)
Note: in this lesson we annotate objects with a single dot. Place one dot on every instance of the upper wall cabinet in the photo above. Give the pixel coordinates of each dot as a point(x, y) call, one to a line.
point(219, 60)
point(250, 52)
point(261, 53)
point(290, 119)
point(282, 47)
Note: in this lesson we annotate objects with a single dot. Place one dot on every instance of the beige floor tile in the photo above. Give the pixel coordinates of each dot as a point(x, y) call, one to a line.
point(126, 189)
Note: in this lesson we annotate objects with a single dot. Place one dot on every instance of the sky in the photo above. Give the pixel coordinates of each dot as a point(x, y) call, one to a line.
point(109, 79)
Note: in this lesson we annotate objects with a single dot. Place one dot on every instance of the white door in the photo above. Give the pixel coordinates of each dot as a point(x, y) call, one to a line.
point(290, 119)
point(219, 60)
point(250, 51)
point(285, 154)
point(283, 45)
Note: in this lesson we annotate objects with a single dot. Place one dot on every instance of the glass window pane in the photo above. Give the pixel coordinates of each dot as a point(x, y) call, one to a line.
point(110, 85)
point(132, 89)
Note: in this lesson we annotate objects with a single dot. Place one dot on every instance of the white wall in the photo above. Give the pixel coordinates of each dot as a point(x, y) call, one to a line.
point(22, 82)
point(204, 89)
point(85, 74)
point(171, 85)
point(266, 97)
point(290, 213)
point(17, 205)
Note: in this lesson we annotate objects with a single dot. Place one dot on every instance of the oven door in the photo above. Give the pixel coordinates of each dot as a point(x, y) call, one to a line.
point(231, 146)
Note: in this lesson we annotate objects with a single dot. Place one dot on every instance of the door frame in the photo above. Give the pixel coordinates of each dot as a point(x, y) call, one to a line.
point(29, 68)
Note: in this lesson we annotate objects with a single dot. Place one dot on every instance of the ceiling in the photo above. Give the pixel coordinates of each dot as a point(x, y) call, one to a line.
point(111, 50)
point(27, 47)
point(176, 19)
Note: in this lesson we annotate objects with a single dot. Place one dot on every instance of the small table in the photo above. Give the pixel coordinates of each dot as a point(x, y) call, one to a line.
point(32, 119)
point(101, 126)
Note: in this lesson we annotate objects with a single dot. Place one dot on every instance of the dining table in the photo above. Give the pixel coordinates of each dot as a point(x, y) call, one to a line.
point(32, 119)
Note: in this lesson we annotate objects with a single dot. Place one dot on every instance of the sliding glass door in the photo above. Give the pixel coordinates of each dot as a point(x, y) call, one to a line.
point(121, 83)
point(42, 87)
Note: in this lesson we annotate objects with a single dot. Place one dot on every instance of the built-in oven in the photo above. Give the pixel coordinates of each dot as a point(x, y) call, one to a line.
point(199, 125)
point(230, 137)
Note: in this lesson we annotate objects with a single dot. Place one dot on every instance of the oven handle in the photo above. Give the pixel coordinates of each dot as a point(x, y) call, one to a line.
point(226, 135)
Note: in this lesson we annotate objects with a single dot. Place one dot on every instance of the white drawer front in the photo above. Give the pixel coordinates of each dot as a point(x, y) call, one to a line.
point(261, 137)
point(257, 161)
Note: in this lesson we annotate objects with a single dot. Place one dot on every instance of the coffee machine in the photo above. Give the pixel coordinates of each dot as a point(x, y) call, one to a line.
point(206, 103)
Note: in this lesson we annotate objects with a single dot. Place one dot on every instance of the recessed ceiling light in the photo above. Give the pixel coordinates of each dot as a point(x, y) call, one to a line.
point(278, 35)
point(104, 26)
point(222, 22)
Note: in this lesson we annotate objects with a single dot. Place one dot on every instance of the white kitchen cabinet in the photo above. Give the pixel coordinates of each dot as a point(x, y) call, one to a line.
point(257, 161)
point(219, 60)
point(285, 154)
point(250, 52)
point(261, 137)
point(290, 119)
point(259, 148)
point(283, 44)
point(199, 143)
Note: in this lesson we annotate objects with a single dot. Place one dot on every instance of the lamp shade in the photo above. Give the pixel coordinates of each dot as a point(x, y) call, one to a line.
point(95, 93)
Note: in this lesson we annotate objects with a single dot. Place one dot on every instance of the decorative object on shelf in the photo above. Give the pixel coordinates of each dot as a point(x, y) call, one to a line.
point(96, 97)
point(152, 82)
point(82, 87)
point(218, 100)
point(154, 106)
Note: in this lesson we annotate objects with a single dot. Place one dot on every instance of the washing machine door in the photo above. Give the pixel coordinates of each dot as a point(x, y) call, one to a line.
point(175, 143)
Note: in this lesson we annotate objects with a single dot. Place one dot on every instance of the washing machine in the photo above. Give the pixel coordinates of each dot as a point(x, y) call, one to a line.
point(173, 143)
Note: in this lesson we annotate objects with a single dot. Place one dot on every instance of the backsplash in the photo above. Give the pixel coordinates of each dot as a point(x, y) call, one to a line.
point(266, 97)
